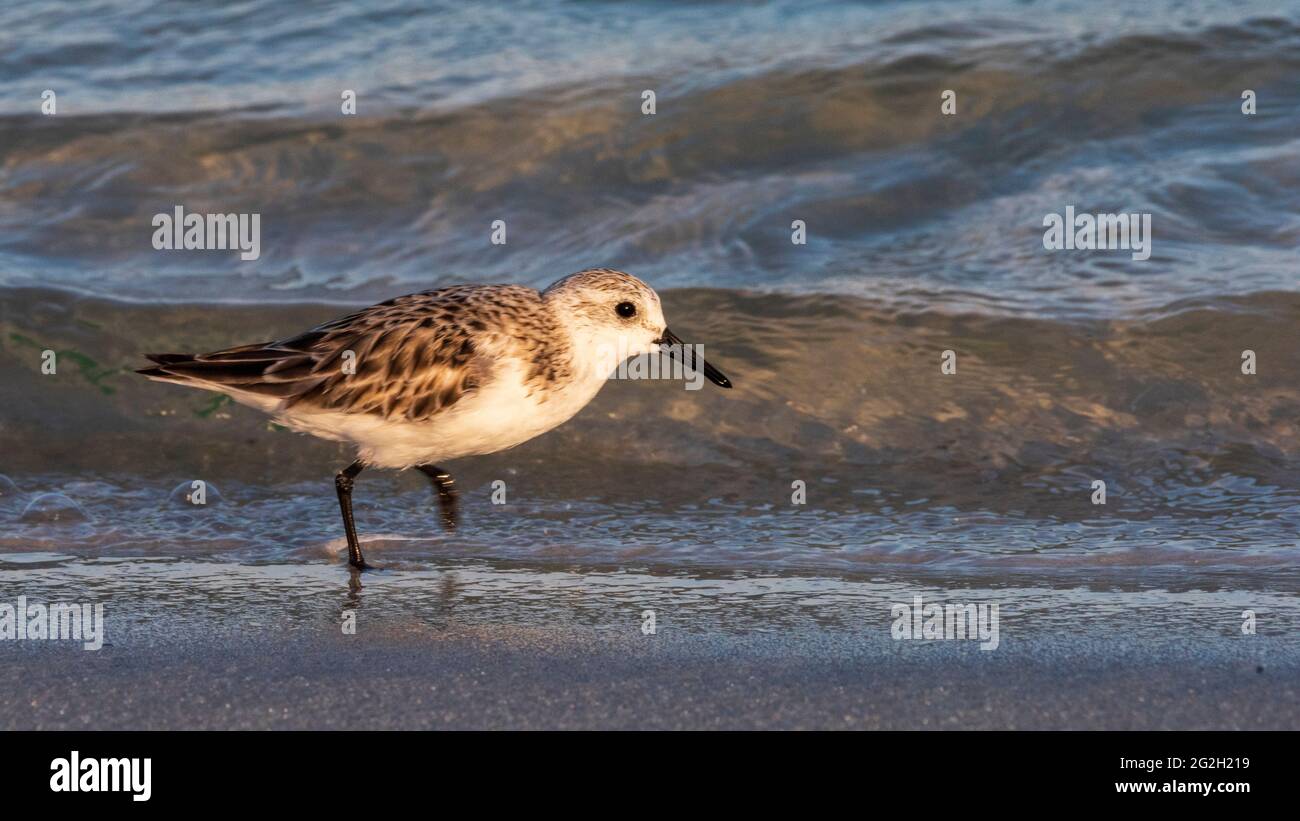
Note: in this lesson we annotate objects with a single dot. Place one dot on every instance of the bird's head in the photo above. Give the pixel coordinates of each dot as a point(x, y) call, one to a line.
point(616, 316)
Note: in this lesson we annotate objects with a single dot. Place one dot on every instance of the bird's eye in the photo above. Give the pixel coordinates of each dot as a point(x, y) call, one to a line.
point(625, 309)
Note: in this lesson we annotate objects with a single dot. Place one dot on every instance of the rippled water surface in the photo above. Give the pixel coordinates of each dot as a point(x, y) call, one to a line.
point(825, 112)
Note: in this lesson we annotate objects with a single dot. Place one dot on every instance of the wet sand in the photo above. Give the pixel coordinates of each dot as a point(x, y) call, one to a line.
point(216, 645)
point(537, 679)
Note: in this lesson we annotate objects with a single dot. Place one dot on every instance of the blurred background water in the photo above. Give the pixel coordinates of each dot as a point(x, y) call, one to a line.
point(924, 235)
point(766, 113)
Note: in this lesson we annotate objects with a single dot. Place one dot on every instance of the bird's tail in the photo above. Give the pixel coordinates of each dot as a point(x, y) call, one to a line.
point(161, 373)
point(264, 373)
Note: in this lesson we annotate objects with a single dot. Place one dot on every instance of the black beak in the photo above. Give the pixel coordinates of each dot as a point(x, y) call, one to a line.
point(685, 354)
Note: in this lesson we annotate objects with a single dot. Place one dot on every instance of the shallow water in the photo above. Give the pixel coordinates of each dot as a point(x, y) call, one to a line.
point(982, 474)
point(925, 235)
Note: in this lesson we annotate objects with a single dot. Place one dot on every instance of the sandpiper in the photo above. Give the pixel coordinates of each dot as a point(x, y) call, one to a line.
point(433, 376)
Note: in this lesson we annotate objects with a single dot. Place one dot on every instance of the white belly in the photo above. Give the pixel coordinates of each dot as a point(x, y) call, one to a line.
point(498, 416)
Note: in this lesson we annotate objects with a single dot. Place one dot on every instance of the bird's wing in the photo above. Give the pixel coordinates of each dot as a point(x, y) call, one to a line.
point(406, 358)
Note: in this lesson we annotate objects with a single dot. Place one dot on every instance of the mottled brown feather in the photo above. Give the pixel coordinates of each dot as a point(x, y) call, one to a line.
point(415, 355)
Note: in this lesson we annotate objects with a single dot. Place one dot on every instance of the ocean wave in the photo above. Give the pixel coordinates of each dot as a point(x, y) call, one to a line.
point(900, 201)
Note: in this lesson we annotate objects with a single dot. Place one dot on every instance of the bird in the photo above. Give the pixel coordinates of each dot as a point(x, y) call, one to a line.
point(442, 374)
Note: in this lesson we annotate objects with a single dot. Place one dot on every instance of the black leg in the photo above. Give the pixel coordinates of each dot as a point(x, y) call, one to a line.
point(446, 487)
point(343, 484)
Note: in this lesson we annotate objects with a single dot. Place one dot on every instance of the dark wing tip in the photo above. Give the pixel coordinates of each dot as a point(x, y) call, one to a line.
point(163, 360)
point(168, 358)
